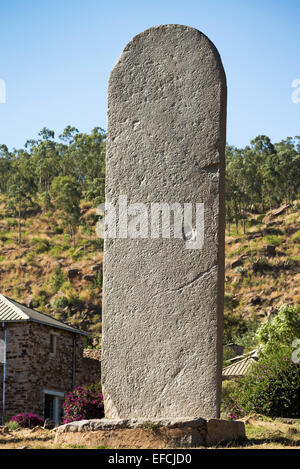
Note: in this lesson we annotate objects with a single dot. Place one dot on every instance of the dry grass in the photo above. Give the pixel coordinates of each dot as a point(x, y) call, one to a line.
point(25, 271)
point(279, 284)
point(265, 433)
point(262, 433)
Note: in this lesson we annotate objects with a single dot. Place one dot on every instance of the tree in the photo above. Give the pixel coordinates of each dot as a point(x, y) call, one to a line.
point(46, 159)
point(5, 167)
point(66, 193)
point(22, 187)
point(281, 330)
point(87, 156)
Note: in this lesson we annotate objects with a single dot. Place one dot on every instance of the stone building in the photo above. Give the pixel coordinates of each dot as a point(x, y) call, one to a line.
point(41, 359)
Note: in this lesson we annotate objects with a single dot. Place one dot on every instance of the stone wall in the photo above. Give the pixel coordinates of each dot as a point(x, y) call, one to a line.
point(90, 366)
point(51, 372)
point(31, 369)
point(17, 368)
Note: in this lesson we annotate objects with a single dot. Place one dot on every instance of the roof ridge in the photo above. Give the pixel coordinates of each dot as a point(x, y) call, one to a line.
point(17, 310)
point(39, 312)
point(30, 314)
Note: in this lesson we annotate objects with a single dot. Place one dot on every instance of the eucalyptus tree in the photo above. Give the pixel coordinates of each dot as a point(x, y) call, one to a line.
point(66, 194)
point(21, 187)
point(5, 165)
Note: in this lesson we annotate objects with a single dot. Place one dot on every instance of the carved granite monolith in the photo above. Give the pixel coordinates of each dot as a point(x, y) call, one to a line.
point(163, 296)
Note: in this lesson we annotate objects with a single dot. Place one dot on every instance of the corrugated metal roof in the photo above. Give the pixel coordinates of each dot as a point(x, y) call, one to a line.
point(241, 367)
point(12, 311)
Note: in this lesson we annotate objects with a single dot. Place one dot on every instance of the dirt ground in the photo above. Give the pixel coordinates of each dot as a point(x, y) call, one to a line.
point(262, 433)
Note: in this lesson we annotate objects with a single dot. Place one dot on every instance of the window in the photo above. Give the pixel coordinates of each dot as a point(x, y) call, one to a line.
point(53, 408)
point(53, 344)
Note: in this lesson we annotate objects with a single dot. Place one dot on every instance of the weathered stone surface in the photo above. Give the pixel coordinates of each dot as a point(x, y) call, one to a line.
point(73, 272)
point(162, 302)
point(111, 424)
point(224, 430)
point(142, 433)
point(276, 212)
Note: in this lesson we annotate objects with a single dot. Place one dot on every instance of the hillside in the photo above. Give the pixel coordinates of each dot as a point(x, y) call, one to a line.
point(47, 272)
point(262, 269)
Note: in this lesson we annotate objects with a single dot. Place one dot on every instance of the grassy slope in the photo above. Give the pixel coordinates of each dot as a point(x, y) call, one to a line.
point(255, 289)
point(27, 270)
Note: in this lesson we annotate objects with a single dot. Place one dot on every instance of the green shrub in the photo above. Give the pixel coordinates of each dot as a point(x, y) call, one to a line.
point(228, 401)
point(13, 425)
point(97, 244)
point(74, 301)
point(30, 257)
point(41, 245)
point(234, 325)
point(240, 270)
point(12, 222)
point(98, 280)
point(230, 302)
point(290, 262)
point(71, 301)
point(58, 230)
point(281, 330)
point(39, 301)
point(274, 240)
point(58, 278)
point(261, 265)
point(56, 252)
point(61, 302)
point(152, 426)
point(271, 388)
point(248, 339)
point(228, 353)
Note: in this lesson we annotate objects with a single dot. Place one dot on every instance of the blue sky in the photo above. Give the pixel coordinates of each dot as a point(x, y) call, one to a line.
point(56, 56)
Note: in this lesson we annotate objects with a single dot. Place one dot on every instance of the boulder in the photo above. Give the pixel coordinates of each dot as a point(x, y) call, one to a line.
point(275, 213)
point(49, 424)
point(73, 272)
point(29, 301)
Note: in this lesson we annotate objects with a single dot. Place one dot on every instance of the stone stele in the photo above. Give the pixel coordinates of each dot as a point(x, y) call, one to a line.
point(163, 301)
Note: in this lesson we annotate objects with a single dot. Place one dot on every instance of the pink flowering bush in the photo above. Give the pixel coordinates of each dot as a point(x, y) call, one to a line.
point(84, 402)
point(27, 420)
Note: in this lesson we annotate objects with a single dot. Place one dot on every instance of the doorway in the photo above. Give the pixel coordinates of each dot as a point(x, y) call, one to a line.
point(53, 406)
